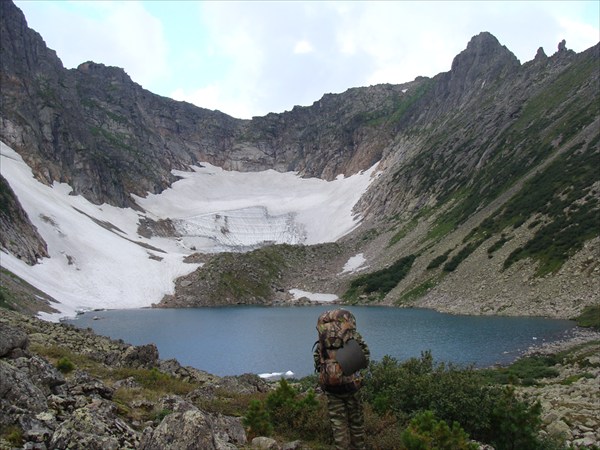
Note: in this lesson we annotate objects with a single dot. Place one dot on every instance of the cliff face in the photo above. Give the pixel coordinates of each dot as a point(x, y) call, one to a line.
point(17, 234)
point(479, 165)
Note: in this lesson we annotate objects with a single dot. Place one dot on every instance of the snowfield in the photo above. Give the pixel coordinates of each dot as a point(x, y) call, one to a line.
point(98, 259)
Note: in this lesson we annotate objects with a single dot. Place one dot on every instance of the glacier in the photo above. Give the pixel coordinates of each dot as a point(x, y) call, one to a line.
point(93, 265)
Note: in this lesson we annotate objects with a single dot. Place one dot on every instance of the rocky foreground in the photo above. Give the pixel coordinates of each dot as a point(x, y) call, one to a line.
point(42, 408)
point(111, 395)
point(571, 401)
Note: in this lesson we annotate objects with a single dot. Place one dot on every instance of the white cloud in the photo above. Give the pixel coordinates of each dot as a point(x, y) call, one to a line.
point(580, 34)
point(302, 47)
point(213, 97)
point(121, 34)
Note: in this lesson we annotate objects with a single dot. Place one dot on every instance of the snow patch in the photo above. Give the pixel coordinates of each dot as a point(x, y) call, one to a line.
point(297, 294)
point(354, 263)
point(90, 266)
point(98, 259)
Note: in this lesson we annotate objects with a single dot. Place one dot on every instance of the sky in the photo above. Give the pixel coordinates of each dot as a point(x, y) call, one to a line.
point(249, 58)
point(91, 266)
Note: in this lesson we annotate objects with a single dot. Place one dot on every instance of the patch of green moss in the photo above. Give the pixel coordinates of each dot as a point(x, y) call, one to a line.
point(403, 232)
point(419, 291)
point(526, 371)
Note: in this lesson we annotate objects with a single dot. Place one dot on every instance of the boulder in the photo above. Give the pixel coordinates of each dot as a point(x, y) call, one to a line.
point(559, 428)
point(190, 430)
point(95, 426)
point(43, 374)
point(145, 356)
point(11, 339)
point(265, 443)
point(82, 384)
point(18, 394)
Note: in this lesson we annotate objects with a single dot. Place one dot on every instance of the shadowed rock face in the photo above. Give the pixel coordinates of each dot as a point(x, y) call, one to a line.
point(17, 234)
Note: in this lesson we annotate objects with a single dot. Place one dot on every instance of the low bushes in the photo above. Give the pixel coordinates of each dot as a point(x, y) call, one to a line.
point(452, 394)
point(288, 413)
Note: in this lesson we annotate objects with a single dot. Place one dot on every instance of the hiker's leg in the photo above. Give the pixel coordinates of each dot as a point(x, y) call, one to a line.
point(356, 422)
point(338, 416)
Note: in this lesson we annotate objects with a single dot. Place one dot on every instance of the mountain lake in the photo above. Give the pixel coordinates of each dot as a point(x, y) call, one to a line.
point(271, 341)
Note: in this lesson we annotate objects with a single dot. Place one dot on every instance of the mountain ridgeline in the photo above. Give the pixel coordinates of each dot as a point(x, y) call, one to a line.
point(487, 202)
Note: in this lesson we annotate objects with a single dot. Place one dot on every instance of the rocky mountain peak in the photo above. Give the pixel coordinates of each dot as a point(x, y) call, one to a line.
point(484, 57)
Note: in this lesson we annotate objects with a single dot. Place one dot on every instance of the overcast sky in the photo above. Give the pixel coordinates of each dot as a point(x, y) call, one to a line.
point(251, 58)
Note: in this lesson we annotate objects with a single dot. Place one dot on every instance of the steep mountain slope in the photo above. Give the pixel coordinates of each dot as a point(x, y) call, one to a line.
point(487, 199)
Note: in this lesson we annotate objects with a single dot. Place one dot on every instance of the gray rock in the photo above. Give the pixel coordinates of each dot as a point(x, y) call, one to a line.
point(229, 429)
point(188, 430)
point(11, 338)
point(559, 428)
point(145, 356)
point(38, 430)
point(127, 383)
point(94, 427)
point(85, 385)
point(265, 443)
point(40, 372)
point(17, 393)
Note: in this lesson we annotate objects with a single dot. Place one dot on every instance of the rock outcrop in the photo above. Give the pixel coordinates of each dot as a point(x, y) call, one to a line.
point(570, 400)
point(17, 235)
point(46, 409)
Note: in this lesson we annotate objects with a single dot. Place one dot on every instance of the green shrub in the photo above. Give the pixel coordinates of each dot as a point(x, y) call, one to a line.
point(257, 420)
point(65, 365)
point(289, 414)
point(419, 290)
point(381, 282)
point(525, 371)
point(13, 435)
point(498, 245)
point(439, 260)
point(295, 413)
point(425, 432)
point(382, 431)
point(516, 423)
point(574, 378)
point(160, 415)
point(452, 394)
point(451, 265)
point(590, 317)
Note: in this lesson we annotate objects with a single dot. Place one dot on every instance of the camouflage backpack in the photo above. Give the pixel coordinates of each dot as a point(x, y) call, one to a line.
point(335, 328)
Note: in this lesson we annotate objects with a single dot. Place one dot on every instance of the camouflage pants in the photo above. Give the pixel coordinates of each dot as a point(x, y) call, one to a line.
point(346, 416)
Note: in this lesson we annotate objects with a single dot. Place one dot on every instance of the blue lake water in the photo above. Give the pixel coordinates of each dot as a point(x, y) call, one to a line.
point(254, 339)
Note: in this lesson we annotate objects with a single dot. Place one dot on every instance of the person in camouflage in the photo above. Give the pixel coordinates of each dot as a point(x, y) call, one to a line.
point(343, 400)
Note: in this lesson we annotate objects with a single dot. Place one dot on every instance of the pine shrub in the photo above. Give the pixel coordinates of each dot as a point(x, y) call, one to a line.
point(65, 365)
point(257, 421)
point(425, 432)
